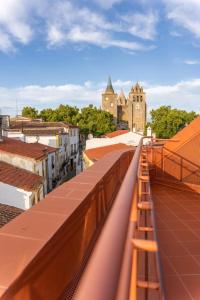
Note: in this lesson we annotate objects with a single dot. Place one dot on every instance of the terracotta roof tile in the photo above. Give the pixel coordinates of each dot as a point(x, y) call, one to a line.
point(43, 148)
point(116, 133)
point(7, 213)
point(97, 153)
point(18, 177)
point(23, 149)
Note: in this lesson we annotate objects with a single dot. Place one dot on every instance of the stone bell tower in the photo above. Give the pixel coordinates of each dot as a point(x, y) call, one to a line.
point(137, 109)
point(109, 100)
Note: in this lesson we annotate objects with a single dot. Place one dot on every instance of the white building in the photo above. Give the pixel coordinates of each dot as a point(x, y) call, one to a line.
point(30, 157)
point(18, 187)
point(120, 136)
point(60, 135)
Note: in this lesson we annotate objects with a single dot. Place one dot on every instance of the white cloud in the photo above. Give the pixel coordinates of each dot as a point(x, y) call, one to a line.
point(183, 95)
point(185, 13)
point(86, 26)
point(191, 62)
point(67, 22)
point(107, 3)
point(15, 23)
point(142, 25)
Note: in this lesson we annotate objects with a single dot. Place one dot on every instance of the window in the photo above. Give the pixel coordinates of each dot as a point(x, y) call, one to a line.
point(72, 148)
point(141, 99)
point(137, 98)
point(52, 162)
point(111, 104)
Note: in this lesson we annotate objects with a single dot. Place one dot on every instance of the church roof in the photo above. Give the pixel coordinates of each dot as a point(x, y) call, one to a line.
point(109, 88)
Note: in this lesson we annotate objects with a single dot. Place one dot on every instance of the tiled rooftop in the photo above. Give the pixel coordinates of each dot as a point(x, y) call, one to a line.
point(8, 213)
point(95, 154)
point(17, 147)
point(43, 148)
point(178, 229)
point(116, 133)
point(19, 178)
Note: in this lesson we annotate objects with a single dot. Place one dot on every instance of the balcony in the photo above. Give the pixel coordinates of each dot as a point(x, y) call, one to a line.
point(125, 228)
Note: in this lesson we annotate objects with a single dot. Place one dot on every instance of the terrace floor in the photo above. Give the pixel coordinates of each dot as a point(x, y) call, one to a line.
point(177, 215)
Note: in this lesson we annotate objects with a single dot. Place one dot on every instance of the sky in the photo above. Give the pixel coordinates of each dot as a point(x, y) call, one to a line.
point(61, 51)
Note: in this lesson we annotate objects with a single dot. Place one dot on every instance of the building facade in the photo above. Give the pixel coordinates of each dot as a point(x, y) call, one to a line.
point(129, 113)
point(61, 135)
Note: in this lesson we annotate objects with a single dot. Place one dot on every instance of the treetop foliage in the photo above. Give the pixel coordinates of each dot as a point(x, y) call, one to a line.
point(166, 121)
point(90, 119)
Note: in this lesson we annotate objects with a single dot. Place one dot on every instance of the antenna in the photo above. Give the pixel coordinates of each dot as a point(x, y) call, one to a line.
point(16, 107)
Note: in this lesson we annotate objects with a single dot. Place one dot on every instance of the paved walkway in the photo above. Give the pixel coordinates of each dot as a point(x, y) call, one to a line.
point(178, 229)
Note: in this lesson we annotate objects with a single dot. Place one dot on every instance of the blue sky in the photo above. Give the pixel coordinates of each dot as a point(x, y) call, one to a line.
point(60, 51)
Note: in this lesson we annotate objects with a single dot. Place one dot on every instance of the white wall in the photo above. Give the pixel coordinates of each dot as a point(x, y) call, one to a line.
point(19, 161)
point(130, 138)
point(14, 196)
point(36, 167)
point(14, 135)
point(74, 140)
point(49, 140)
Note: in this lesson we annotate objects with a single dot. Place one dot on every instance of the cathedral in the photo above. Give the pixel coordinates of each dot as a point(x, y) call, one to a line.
point(129, 113)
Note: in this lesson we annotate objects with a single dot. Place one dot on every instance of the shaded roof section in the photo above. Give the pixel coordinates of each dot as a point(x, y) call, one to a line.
point(19, 178)
point(8, 213)
point(97, 153)
point(186, 142)
point(109, 88)
point(23, 149)
point(14, 124)
point(116, 133)
point(43, 131)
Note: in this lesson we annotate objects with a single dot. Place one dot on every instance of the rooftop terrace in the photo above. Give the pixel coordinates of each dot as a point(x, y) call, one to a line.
point(126, 228)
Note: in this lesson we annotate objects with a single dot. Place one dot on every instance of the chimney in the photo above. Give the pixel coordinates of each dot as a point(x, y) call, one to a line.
point(1, 128)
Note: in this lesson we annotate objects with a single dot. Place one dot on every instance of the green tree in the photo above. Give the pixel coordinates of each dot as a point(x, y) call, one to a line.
point(29, 112)
point(95, 121)
point(64, 113)
point(166, 122)
point(90, 119)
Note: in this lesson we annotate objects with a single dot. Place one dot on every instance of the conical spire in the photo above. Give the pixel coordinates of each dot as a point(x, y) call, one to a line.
point(109, 88)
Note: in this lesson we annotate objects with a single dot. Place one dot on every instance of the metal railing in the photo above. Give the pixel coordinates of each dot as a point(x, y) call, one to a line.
point(172, 164)
point(112, 273)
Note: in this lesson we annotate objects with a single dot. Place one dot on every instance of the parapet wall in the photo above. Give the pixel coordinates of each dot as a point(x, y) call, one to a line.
point(43, 250)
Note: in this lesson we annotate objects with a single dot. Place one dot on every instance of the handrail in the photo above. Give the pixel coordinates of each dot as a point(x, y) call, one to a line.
point(109, 270)
point(107, 256)
point(127, 288)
